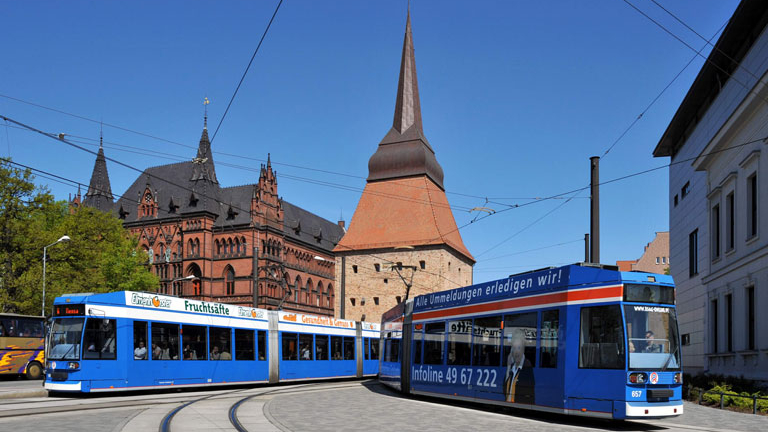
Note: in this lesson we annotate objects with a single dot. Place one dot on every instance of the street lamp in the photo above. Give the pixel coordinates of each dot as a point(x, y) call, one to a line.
point(190, 277)
point(45, 252)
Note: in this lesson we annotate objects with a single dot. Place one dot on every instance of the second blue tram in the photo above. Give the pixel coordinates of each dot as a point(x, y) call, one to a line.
point(580, 339)
point(137, 341)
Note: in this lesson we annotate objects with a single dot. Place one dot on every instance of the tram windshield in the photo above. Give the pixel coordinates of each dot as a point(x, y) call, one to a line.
point(64, 341)
point(653, 340)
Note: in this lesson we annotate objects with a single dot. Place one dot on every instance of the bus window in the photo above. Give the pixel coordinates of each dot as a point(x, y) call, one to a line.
point(290, 352)
point(460, 342)
point(550, 325)
point(375, 349)
point(520, 340)
point(140, 340)
point(336, 348)
point(349, 348)
point(486, 344)
point(100, 339)
point(262, 344)
point(221, 343)
point(165, 341)
point(321, 347)
point(433, 343)
point(305, 347)
point(244, 344)
point(417, 343)
point(194, 342)
point(601, 339)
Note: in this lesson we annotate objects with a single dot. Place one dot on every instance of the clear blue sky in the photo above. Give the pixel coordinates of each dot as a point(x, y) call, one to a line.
point(515, 95)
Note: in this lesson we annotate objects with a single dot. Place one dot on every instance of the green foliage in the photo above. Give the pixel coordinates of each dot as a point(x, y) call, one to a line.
point(742, 401)
point(100, 257)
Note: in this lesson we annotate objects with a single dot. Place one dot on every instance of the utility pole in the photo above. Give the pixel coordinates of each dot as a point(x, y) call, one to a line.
point(408, 283)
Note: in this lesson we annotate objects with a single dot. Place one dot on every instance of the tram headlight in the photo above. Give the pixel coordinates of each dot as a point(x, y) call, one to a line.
point(638, 378)
point(73, 365)
point(678, 378)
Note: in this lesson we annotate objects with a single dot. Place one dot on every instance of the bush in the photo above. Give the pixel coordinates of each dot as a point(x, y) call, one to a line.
point(742, 401)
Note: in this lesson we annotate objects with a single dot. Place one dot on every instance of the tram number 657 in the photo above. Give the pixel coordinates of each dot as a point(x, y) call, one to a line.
point(485, 377)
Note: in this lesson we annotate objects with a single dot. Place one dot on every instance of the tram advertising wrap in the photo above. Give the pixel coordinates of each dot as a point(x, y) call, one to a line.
point(562, 339)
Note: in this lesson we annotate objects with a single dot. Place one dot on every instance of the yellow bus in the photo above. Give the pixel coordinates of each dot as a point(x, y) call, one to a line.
point(22, 339)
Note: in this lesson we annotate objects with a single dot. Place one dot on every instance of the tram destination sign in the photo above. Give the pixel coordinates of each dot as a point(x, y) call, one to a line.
point(155, 301)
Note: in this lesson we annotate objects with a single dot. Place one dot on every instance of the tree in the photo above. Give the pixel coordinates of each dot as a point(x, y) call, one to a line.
point(100, 257)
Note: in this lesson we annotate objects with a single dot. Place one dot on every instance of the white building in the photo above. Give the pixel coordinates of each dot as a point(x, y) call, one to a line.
point(718, 219)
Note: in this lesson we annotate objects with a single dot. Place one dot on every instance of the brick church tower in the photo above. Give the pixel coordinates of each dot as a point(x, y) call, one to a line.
point(403, 240)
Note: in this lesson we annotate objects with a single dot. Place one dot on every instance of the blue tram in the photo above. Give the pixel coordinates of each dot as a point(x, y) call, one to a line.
point(580, 339)
point(138, 341)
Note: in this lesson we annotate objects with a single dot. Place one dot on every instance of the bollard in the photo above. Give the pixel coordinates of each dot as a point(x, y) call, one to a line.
point(701, 394)
point(721, 400)
point(754, 404)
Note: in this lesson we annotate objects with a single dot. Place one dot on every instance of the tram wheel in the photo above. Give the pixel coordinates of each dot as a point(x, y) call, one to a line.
point(34, 371)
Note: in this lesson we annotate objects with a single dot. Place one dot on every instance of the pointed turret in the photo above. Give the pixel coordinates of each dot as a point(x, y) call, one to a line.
point(405, 151)
point(204, 169)
point(99, 193)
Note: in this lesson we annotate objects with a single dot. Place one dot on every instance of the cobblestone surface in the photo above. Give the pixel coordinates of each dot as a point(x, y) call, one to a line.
point(377, 408)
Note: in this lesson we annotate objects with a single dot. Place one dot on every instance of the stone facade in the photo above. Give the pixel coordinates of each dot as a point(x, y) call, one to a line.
point(655, 258)
point(719, 247)
point(373, 286)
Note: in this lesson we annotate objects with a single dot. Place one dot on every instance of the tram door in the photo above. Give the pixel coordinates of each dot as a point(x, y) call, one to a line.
point(550, 370)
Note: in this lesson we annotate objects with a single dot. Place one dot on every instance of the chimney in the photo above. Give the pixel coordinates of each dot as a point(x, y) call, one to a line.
point(343, 224)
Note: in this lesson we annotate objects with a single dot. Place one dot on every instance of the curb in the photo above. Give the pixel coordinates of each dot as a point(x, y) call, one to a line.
point(23, 394)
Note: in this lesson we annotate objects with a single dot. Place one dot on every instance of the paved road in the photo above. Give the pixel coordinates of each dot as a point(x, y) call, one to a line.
point(319, 407)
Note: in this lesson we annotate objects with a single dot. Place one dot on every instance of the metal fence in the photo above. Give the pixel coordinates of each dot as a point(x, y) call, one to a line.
point(701, 392)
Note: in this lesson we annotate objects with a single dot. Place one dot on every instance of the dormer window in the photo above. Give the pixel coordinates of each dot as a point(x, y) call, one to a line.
point(172, 207)
point(231, 214)
point(122, 212)
point(193, 200)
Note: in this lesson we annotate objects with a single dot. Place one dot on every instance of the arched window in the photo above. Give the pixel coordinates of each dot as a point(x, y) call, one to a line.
point(329, 298)
point(237, 245)
point(229, 280)
point(197, 246)
point(245, 245)
point(192, 270)
point(296, 288)
point(319, 293)
point(190, 248)
point(218, 247)
point(263, 247)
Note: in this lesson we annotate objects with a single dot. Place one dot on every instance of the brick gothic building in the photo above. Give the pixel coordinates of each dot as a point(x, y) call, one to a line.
point(402, 232)
point(204, 240)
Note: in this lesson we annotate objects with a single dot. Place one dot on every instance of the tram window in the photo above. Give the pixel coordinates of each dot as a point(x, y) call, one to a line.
point(321, 347)
point(244, 344)
point(366, 347)
point(349, 348)
point(305, 347)
point(520, 340)
point(375, 349)
point(601, 339)
point(262, 342)
point(486, 344)
point(100, 339)
point(336, 348)
point(290, 351)
point(460, 342)
point(392, 350)
point(550, 326)
point(221, 343)
point(417, 343)
point(140, 340)
point(193, 339)
point(433, 342)
point(165, 341)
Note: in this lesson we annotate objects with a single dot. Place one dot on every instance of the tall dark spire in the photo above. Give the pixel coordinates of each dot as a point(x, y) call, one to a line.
point(405, 151)
point(99, 193)
point(203, 163)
